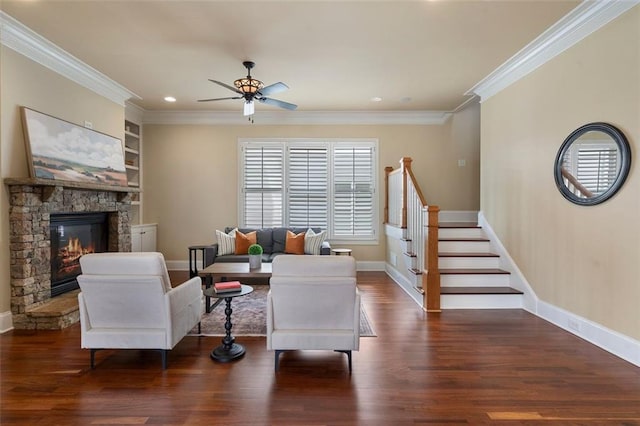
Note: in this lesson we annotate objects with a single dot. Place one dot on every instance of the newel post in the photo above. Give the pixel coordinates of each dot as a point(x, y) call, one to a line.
point(432, 294)
point(405, 165)
point(387, 170)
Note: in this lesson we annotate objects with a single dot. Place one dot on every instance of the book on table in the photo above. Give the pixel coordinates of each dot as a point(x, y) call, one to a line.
point(227, 287)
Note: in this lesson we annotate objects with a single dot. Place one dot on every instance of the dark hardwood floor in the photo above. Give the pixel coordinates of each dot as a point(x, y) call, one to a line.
point(459, 367)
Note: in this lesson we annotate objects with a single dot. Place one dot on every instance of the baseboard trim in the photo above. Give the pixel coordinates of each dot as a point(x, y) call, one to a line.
point(183, 265)
point(6, 322)
point(611, 341)
point(369, 265)
point(177, 265)
point(403, 283)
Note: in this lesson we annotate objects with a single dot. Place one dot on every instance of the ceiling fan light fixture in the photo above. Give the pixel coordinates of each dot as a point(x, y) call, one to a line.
point(248, 85)
point(249, 108)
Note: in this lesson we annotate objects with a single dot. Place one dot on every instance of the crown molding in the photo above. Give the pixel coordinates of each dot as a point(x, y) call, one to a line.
point(23, 40)
point(299, 117)
point(585, 19)
point(133, 112)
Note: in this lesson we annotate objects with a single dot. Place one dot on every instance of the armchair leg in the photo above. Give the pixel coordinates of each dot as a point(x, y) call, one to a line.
point(348, 358)
point(93, 358)
point(164, 358)
point(277, 364)
point(199, 328)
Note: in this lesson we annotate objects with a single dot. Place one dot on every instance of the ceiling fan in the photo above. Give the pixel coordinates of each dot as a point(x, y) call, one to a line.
point(250, 89)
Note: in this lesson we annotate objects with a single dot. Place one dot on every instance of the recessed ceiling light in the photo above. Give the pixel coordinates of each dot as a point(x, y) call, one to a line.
point(169, 99)
point(376, 99)
point(405, 100)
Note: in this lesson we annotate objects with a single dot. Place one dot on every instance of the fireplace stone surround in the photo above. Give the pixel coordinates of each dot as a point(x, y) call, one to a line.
point(32, 201)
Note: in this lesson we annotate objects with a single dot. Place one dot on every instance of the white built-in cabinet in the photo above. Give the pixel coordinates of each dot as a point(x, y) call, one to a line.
point(133, 165)
point(143, 237)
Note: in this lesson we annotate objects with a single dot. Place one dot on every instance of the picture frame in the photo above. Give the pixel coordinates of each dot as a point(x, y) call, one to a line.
point(61, 150)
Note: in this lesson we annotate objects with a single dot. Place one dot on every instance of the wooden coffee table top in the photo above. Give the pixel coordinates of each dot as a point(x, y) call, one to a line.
point(235, 270)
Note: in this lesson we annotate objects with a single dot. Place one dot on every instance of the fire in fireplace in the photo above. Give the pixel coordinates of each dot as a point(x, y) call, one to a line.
point(73, 235)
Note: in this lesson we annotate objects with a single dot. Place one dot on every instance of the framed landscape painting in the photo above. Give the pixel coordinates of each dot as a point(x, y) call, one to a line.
point(61, 150)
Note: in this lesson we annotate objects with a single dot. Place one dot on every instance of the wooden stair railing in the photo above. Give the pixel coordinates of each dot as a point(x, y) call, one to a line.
point(574, 185)
point(406, 208)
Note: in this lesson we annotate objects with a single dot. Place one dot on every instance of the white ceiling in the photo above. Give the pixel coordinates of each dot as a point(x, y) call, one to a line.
point(334, 55)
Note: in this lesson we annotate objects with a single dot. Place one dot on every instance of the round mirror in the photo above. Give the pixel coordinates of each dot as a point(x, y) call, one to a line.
point(592, 163)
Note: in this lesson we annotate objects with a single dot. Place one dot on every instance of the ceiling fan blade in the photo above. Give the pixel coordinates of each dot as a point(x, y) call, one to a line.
point(275, 102)
point(273, 88)
point(219, 99)
point(226, 86)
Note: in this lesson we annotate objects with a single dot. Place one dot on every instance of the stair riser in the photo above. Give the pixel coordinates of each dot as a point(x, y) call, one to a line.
point(464, 246)
point(474, 280)
point(460, 233)
point(468, 262)
point(481, 301)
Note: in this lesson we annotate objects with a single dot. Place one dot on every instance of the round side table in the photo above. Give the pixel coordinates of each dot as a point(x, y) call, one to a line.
point(341, 251)
point(229, 349)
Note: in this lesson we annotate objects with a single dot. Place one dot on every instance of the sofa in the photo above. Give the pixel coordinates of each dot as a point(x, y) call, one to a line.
point(272, 240)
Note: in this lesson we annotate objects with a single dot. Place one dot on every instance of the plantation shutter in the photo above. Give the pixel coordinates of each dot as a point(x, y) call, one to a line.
point(263, 186)
point(597, 168)
point(308, 182)
point(353, 184)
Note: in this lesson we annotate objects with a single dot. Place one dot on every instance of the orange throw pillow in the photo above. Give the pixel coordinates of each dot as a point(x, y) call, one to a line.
point(294, 243)
point(243, 241)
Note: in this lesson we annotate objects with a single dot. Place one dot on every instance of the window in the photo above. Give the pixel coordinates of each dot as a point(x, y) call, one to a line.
point(328, 184)
point(263, 191)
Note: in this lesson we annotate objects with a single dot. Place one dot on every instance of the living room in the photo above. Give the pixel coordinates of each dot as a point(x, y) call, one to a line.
point(581, 262)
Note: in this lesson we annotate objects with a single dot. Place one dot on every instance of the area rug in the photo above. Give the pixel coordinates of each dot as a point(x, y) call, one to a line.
point(249, 317)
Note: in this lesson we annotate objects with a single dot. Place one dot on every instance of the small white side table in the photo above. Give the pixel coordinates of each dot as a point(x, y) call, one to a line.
point(341, 251)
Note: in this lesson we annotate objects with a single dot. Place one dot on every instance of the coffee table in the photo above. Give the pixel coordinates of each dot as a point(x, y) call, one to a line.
point(218, 272)
point(229, 349)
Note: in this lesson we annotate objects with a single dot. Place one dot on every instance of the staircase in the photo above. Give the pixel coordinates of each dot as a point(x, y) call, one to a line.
point(470, 274)
point(450, 264)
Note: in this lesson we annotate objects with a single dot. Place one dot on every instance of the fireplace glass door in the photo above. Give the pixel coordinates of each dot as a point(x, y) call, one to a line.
point(73, 235)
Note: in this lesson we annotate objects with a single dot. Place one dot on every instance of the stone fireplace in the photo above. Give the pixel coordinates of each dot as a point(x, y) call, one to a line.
point(33, 202)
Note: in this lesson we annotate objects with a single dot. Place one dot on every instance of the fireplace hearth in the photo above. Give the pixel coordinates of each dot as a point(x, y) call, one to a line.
point(40, 264)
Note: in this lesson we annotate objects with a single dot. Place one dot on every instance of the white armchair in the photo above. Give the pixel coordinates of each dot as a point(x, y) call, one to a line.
point(313, 303)
point(126, 302)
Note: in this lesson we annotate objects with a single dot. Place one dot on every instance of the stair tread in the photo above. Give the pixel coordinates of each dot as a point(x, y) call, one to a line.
point(458, 225)
point(479, 290)
point(467, 254)
point(469, 271)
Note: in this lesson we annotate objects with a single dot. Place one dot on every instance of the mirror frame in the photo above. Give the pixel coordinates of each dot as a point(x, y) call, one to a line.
point(625, 162)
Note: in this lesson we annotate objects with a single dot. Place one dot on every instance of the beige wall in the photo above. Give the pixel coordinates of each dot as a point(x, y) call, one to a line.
point(191, 182)
point(585, 260)
point(25, 83)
